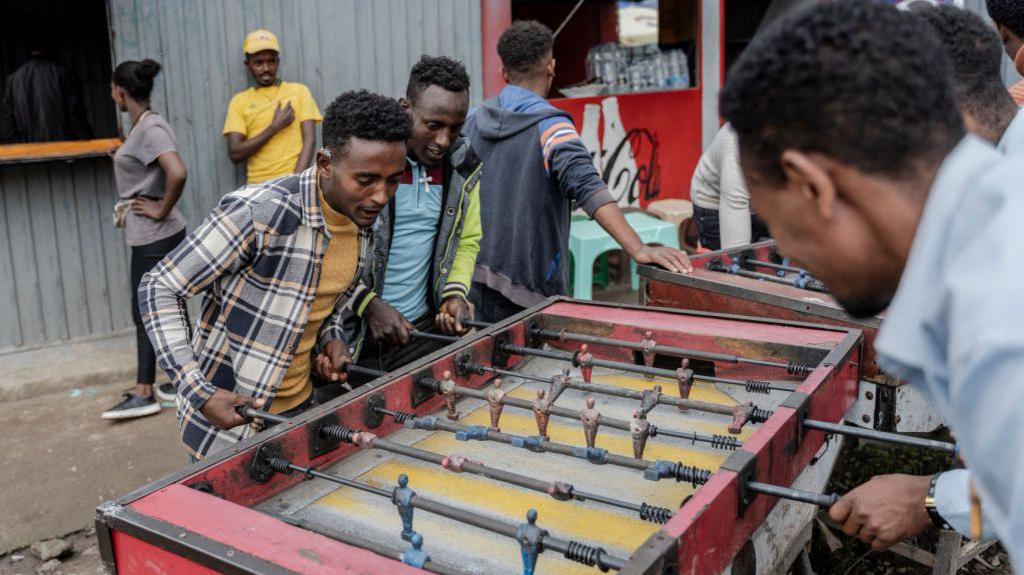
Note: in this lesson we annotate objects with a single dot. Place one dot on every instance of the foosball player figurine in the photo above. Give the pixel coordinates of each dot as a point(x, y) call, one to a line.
point(558, 384)
point(529, 537)
point(647, 347)
point(586, 361)
point(495, 395)
point(591, 419)
point(649, 400)
point(541, 411)
point(684, 376)
point(740, 416)
point(448, 390)
point(401, 496)
point(640, 429)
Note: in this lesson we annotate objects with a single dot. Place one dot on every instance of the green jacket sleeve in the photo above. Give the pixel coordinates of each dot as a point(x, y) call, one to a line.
point(461, 274)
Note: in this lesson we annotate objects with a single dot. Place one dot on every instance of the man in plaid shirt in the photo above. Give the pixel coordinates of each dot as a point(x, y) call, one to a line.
point(276, 264)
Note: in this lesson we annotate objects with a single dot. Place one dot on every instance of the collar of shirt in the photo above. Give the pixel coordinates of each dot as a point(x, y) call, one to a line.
point(911, 341)
point(1012, 141)
point(413, 169)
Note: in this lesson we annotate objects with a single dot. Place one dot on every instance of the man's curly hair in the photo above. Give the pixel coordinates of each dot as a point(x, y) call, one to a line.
point(364, 115)
point(524, 46)
point(975, 55)
point(438, 71)
point(1009, 13)
point(856, 80)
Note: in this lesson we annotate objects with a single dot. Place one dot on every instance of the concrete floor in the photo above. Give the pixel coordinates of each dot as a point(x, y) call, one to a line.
point(61, 460)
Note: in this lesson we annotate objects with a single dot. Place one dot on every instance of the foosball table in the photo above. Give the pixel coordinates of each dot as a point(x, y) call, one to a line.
point(574, 437)
point(756, 280)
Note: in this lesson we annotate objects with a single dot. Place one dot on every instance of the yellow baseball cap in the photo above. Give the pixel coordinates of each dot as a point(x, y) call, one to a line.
point(260, 40)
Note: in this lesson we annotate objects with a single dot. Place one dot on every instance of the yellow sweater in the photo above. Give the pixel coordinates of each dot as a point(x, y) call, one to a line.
point(339, 265)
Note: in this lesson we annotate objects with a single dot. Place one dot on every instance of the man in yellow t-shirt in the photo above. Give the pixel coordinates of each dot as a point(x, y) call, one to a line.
point(272, 124)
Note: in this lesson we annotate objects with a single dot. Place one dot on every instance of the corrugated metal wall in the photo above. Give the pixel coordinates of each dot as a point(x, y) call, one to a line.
point(63, 268)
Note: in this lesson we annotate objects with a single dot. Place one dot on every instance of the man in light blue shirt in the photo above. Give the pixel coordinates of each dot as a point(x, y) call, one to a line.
point(855, 154)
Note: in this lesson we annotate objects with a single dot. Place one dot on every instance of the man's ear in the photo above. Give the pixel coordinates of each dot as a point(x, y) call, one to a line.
point(811, 179)
point(551, 68)
point(323, 161)
point(504, 75)
point(404, 103)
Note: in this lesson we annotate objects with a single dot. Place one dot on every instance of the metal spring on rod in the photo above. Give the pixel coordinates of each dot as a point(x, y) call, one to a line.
point(758, 415)
point(816, 285)
point(514, 349)
point(431, 383)
point(695, 476)
point(279, 465)
point(547, 333)
point(757, 386)
point(582, 553)
point(725, 442)
point(338, 432)
point(798, 368)
point(402, 416)
point(654, 514)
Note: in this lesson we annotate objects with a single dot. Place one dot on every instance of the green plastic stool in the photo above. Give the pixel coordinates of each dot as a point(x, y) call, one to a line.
point(588, 241)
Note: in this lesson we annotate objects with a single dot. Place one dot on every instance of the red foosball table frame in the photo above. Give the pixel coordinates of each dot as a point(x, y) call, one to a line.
point(882, 404)
point(202, 518)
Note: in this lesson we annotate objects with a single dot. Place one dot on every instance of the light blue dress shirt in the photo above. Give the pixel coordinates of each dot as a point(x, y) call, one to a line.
point(1012, 141)
point(417, 213)
point(955, 328)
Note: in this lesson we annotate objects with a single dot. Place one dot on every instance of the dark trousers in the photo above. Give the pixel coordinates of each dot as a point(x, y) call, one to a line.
point(709, 230)
point(376, 355)
point(145, 258)
point(491, 306)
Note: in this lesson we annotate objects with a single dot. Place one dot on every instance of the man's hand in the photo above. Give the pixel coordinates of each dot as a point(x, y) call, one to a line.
point(449, 318)
point(885, 510)
point(220, 408)
point(331, 361)
point(386, 324)
point(283, 117)
point(669, 258)
point(153, 209)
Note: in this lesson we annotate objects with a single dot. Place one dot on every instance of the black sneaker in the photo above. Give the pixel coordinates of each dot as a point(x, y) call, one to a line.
point(166, 392)
point(132, 406)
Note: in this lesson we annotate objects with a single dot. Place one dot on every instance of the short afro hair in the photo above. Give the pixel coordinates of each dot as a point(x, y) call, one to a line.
point(364, 115)
point(856, 80)
point(524, 46)
point(1009, 13)
point(975, 55)
point(438, 71)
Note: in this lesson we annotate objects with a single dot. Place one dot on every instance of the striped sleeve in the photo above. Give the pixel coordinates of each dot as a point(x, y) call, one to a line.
point(570, 163)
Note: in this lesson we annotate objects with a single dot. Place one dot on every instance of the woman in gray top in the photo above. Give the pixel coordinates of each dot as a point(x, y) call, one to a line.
point(721, 203)
point(150, 176)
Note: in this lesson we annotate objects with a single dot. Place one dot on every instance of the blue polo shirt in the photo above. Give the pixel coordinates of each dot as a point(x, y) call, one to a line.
point(417, 214)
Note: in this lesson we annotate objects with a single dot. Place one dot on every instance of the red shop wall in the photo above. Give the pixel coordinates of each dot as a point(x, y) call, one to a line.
point(646, 146)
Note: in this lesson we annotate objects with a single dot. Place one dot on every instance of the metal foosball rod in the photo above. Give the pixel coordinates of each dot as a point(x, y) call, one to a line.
point(755, 415)
point(775, 266)
point(742, 414)
point(652, 470)
point(586, 362)
point(532, 539)
point(558, 490)
point(643, 396)
point(801, 282)
point(414, 557)
point(649, 348)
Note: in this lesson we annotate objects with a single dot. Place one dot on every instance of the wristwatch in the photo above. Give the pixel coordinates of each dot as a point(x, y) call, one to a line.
point(929, 506)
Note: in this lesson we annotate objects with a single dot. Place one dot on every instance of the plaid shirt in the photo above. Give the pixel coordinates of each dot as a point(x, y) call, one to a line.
point(256, 259)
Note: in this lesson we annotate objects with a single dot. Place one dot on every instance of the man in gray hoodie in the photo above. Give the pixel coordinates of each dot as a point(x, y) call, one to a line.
point(537, 168)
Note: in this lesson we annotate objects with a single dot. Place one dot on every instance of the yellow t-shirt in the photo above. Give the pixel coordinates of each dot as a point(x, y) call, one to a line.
point(251, 111)
point(339, 265)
